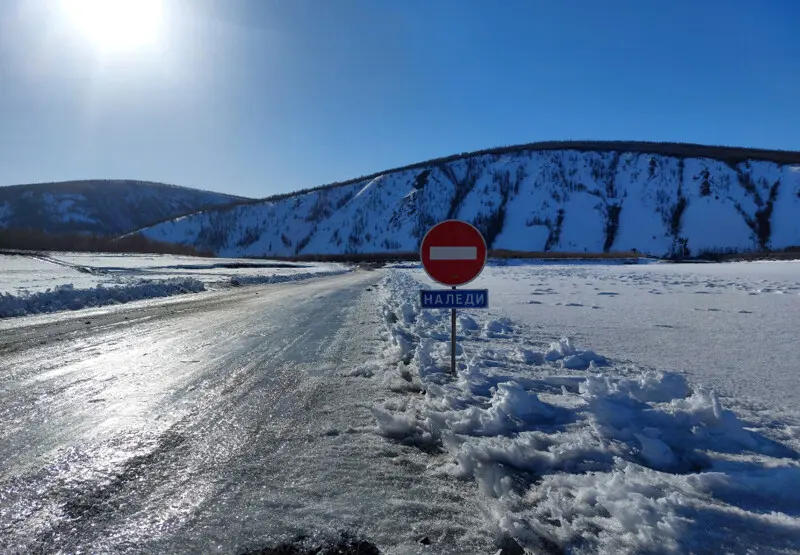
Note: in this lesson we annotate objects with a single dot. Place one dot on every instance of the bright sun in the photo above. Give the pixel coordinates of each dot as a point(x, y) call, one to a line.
point(116, 25)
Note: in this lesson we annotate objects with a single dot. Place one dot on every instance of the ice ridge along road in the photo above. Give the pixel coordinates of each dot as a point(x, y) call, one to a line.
point(227, 424)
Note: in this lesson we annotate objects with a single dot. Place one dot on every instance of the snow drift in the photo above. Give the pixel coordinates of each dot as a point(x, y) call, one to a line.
point(574, 451)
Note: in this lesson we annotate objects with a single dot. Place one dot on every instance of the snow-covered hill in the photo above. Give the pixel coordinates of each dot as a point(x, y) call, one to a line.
point(655, 198)
point(100, 206)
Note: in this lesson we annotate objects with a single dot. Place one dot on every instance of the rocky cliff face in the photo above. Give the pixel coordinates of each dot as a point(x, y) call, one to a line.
point(527, 199)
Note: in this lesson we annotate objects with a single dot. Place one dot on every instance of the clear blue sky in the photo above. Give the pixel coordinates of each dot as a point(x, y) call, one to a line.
point(255, 97)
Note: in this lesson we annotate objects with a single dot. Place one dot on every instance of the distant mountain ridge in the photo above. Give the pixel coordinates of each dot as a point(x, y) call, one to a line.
point(658, 198)
point(729, 154)
point(104, 207)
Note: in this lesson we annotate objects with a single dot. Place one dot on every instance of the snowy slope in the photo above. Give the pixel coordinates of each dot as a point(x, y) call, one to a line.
point(527, 199)
point(99, 206)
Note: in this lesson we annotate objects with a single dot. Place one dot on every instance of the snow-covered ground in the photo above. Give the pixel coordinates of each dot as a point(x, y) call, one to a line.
point(34, 284)
point(730, 326)
point(619, 409)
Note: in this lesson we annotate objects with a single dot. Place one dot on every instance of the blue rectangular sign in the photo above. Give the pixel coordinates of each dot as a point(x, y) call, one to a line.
point(454, 298)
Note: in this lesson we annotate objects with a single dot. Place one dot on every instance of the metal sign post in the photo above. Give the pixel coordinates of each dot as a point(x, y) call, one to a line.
point(453, 339)
point(453, 253)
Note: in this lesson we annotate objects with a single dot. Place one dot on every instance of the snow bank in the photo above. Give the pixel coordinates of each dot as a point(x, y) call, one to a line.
point(572, 449)
point(237, 281)
point(41, 284)
point(66, 297)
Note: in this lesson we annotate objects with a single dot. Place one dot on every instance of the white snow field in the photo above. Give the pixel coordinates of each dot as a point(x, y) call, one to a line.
point(611, 409)
point(34, 284)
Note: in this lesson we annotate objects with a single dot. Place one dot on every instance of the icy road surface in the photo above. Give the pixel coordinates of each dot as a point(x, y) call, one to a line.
point(217, 425)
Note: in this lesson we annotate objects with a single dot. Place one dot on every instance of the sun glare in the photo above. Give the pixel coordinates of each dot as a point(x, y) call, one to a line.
point(116, 25)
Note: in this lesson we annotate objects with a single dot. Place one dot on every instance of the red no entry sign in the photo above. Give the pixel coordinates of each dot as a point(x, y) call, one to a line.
point(453, 252)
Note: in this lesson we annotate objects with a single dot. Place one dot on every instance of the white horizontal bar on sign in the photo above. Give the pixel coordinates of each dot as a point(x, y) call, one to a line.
point(454, 253)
